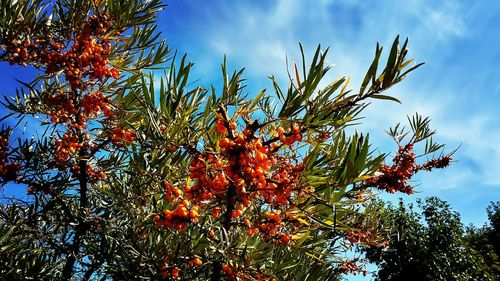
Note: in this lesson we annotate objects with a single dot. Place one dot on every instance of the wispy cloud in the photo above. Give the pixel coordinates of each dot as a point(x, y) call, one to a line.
point(458, 87)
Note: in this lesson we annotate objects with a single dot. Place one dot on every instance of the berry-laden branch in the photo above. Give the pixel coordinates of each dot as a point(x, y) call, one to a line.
point(245, 172)
point(395, 177)
point(8, 169)
point(83, 60)
point(268, 193)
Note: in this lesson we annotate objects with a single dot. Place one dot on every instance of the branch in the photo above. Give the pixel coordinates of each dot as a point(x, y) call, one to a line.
point(81, 228)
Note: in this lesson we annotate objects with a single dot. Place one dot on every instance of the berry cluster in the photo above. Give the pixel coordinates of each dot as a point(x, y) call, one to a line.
point(121, 137)
point(93, 174)
point(248, 168)
point(272, 226)
point(94, 102)
point(245, 168)
point(351, 266)
point(88, 55)
point(246, 164)
point(83, 60)
point(67, 108)
point(21, 52)
point(62, 107)
point(8, 171)
point(364, 237)
point(45, 189)
point(395, 178)
point(166, 270)
point(437, 163)
point(68, 146)
point(179, 217)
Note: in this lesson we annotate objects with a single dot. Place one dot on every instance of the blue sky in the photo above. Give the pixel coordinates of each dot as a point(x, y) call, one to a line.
point(458, 87)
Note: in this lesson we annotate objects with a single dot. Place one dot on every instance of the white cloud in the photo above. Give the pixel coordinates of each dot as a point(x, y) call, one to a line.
point(260, 36)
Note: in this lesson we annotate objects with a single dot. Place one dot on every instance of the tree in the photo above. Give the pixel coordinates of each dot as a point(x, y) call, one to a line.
point(494, 232)
point(485, 240)
point(438, 249)
point(135, 176)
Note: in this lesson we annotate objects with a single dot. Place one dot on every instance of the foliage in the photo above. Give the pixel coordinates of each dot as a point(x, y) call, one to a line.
point(485, 240)
point(431, 245)
point(134, 176)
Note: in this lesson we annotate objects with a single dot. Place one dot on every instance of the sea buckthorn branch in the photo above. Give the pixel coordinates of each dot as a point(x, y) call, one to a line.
point(84, 64)
point(395, 177)
point(233, 142)
point(8, 169)
point(80, 52)
point(352, 266)
point(267, 212)
point(229, 168)
point(237, 198)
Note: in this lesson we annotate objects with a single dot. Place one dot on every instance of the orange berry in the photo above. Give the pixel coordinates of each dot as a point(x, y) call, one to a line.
point(258, 144)
point(247, 223)
point(175, 272)
point(276, 218)
point(227, 269)
point(259, 171)
point(233, 125)
point(280, 130)
point(177, 192)
point(260, 156)
point(216, 212)
point(285, 239)
point(211, 233)
point(193, 214)
point(221, 128)
point(282, 138)
point(240, 139)
point(236, 214)
point(197, 261)
point(252, 231)
point(263, 227)
point(225, 142)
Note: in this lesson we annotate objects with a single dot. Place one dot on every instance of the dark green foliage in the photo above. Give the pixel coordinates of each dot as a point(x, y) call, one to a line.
point(77, 226)
point(485, 240)
point(430, 244)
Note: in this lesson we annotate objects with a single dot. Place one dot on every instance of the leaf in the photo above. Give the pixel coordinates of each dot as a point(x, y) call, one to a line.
point(385, 97)
point(257, 99)
point(391, 64)
point(372, 71)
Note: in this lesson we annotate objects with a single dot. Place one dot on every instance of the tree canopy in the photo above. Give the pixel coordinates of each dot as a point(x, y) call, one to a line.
point(132, 174)
point(429, 243)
